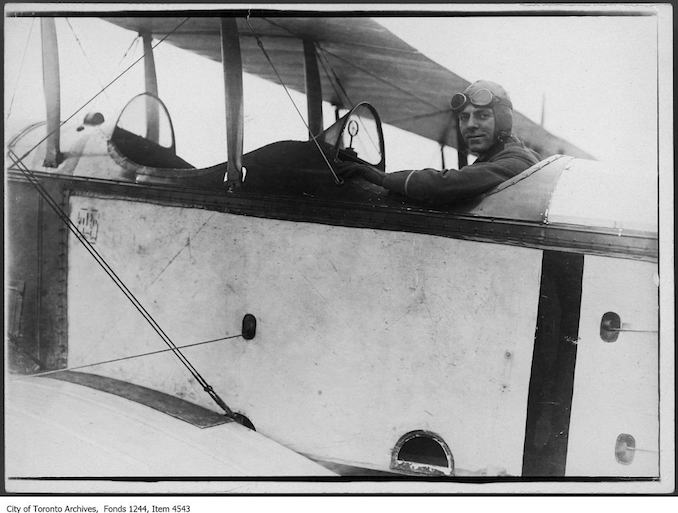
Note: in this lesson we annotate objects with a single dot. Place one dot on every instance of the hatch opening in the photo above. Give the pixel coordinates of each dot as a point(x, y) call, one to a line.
point(422, 452)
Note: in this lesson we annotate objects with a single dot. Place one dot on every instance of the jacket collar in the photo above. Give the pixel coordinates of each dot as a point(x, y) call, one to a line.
point(498, 146)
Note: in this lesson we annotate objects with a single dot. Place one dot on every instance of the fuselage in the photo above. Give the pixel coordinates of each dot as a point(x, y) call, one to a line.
point(473, 340)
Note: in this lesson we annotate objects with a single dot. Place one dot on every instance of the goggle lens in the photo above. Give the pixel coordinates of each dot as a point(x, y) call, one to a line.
point(479, 98)
point(482, 98)
point(458, 101)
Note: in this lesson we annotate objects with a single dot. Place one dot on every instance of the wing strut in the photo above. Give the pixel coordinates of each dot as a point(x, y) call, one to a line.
point(50, 77)
point(232, 65)
point(151, 81)
point(314, 94)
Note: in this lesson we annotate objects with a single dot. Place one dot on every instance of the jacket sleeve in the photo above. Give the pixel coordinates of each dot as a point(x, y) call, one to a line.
point(442, 187)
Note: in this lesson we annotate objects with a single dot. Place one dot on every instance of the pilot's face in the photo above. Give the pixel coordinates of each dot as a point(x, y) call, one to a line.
point(477, 128)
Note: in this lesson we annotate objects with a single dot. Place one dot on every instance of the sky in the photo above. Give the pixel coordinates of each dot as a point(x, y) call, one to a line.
point(595, 78)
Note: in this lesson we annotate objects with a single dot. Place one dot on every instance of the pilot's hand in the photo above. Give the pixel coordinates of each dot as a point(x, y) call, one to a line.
point(348, 169)
point(369, 173)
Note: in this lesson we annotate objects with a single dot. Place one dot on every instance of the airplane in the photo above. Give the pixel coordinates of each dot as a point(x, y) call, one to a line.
point(511, 335)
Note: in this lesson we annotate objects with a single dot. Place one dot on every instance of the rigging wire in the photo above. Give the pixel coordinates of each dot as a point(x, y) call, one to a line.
point(30, 176)
point(380, 79)
point(369, 136)
point(20, 159)
point(21, 68)
point(373, 75)
point(340, 89)
point(333, 78)
point(130, 357)
point(87, 59)
point(337, 180)
point(134, 44)
point(325, 65)
point(91, 67)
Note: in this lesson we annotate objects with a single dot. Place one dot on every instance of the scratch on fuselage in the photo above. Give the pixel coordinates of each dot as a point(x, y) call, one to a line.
point(187, 245)
point(315, 289)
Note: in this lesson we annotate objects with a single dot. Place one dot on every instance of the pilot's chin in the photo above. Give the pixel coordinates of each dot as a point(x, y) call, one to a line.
point(473, 150)
point(472, 147)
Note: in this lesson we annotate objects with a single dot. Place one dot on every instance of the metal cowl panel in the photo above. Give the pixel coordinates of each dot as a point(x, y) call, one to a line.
point(526, 196)
point(591, 193)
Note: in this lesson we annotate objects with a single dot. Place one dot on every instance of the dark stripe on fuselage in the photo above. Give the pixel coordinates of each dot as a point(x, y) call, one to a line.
point(553, 364)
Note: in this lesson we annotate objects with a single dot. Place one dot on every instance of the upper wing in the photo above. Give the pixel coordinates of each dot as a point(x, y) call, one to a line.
point(359, 61)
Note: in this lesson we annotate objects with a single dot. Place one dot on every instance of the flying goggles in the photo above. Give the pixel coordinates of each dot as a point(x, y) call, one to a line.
point(478, 98)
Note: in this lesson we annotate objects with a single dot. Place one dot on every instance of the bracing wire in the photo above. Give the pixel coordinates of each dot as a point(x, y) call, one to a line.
point(84, 53)
point(339, 88)
point(337, 180)
point(130, 357)
point(380, 79)
point(134, 42)
point(369, 137)
point(333, 78)
point(21, 68)
point(30, 176)
point(359, 68)
point(89, 62)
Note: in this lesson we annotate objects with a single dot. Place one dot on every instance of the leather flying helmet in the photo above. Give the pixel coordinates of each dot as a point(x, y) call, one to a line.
point(484, 93)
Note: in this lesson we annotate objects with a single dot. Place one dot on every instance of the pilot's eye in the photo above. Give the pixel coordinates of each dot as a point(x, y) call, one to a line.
point(484, 115)
point(464, 116)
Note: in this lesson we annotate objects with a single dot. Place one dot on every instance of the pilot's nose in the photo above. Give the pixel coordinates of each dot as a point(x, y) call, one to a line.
point(472, 121)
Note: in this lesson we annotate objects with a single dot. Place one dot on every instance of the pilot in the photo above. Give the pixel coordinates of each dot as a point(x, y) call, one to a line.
point(485, 116)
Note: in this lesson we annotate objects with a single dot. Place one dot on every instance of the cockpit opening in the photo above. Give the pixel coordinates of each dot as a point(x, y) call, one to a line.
point(303, 167)
point(144, 134)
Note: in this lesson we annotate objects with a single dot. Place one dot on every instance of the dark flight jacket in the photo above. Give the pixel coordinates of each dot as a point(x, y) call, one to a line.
point(431, 186)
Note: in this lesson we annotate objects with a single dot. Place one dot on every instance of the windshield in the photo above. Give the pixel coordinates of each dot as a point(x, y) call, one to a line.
point(145, 116)
point(357, 136)
point(144, 134)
